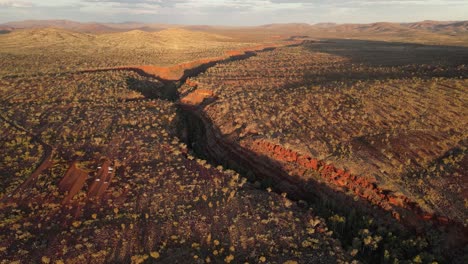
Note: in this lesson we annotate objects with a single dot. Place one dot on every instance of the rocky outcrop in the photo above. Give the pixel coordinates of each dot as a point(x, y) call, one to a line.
point(286, 169)
point(197, 97)
point(325, 187)
point(75, 178)
point(184, 70)
point(191, 83)
point(361, 186)
point(301, 177)
point(72, 182)
point(102, 180)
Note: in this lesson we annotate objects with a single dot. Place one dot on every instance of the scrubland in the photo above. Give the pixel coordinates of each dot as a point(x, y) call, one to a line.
point(160, 203)
point(377, 113)
point(55, 50)
point(327, 151)
point(392, 113)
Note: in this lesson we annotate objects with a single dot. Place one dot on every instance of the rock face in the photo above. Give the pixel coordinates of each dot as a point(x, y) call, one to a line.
point(133, 192)
point(72, 182)
point(236, 145)
point(75, 178)
point(191, 83)
point(102, 180)
point(197, 97)
point(290, 171)
point(183, 70)
point(363, 187)
point(302, 177)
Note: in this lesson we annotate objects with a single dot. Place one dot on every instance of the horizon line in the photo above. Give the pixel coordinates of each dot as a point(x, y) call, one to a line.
point(229, 25)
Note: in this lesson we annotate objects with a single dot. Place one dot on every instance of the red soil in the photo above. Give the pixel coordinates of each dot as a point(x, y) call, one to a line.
point(197, 97)
point(364, 187)
point(191, 83)
point(177, 72)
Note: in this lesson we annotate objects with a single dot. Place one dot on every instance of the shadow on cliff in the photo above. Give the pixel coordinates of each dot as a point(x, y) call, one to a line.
point(379, 60)
point(207, 142)
point(391, 53)
point(169, 88)
point(154, 90)
point(205, 66)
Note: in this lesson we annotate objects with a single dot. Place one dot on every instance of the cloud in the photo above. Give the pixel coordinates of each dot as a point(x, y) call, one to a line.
point(369, 2)
point(15, 4)
point(239, 12)
point(162, 3)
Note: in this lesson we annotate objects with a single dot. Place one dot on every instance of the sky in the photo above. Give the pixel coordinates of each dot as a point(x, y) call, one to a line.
point(235, 12)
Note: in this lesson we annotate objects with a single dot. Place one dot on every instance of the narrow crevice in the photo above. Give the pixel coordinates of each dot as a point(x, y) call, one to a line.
point(351, 220)
point(347, 218)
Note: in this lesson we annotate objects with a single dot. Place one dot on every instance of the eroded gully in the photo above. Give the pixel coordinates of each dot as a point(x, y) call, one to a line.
point(361, 212)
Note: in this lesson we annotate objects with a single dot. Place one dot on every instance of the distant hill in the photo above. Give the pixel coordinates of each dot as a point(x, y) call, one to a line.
point(289, 25)
point(457, 27)
point(380, 27)
point(43, 24)
point(44, 37)
point(5, 30)
point(427, 24)
point(173, 38)
point(325, 25)
point(443, 27)
point(57, 49)
point(180, 35)
point(90, 27)
point(177, 37)
point(386, 27)
point(62, 24)
point(290, 28)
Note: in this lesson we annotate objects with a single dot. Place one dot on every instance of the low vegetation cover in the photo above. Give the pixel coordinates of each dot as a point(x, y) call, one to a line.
point(139, 195)
point(393, 114)
point(52, 50)
point(286, 151)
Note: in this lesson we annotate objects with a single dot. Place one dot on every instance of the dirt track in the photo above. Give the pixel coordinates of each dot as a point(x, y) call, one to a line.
point(45, 163)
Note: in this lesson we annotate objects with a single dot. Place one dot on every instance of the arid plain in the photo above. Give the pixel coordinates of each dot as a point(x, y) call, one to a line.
point(283, 143)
